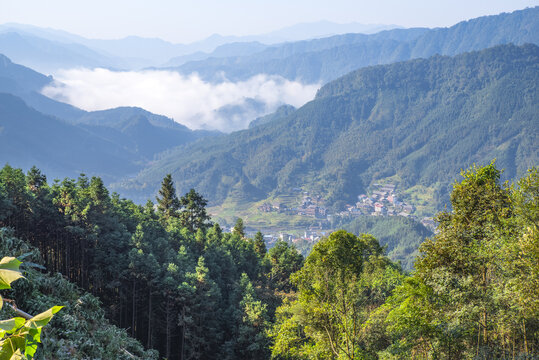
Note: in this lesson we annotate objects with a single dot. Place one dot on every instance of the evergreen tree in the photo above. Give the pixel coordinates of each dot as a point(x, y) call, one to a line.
point(284, 260)
point(14, 183)
point(260, 245)
point(167, 201)
point(239, 228)
point(193, 213)
point(5, 204)
point(35, 179)
point(249, 340)
point(202, 331)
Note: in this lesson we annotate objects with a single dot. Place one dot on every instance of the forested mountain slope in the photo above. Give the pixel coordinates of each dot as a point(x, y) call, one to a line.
point(419, 121)
point(27, 137)
point(322, 60)
point(139, 130)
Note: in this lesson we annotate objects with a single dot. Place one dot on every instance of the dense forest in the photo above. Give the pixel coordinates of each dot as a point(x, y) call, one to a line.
point(401, 236)
point(167, 276)
point(163, 272)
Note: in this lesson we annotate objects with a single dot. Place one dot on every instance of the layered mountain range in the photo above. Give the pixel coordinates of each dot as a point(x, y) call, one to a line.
point(325, 59)
point(48, 49)
point(417, 122)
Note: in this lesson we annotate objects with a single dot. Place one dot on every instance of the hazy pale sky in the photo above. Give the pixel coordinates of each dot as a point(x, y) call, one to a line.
point(186, 21)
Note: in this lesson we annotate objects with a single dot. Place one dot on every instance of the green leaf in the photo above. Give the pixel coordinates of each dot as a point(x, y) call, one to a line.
point(7, 277)
point(9, 347)
point(42, 319)
point(17, 355)
point(12, 324)
point(9, 272)
point(33, 338)
point(10, 263)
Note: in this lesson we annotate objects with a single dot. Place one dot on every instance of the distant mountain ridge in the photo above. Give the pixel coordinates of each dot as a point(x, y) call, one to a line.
point(308, 52)
point(419, 121)
point(47, 49)
point(322, 60)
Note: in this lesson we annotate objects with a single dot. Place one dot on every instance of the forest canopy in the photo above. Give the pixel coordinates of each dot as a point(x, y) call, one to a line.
point(163, 281)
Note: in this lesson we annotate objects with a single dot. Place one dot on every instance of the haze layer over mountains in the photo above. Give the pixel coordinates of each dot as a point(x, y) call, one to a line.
point(233, 81)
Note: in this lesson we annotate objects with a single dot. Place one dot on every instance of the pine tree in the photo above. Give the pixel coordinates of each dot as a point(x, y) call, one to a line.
point(193, 211)
point(167, 202)
point(239, 228)
point(35, 179)
point(260, 245)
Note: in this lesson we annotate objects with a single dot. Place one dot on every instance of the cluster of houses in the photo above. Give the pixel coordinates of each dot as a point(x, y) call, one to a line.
point(384, 201)
point(277, 207)
point(311, 206)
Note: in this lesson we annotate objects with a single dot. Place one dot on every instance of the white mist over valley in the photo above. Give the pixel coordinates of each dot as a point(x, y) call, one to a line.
point(225, 106)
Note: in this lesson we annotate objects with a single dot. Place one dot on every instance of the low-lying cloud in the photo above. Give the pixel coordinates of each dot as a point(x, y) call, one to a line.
point(226, 106)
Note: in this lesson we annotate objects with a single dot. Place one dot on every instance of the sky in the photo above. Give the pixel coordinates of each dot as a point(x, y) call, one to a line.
point(184, 21)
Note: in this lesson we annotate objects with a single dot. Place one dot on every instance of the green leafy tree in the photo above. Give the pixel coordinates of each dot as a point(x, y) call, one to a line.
point(460, 262)
point(518, 288)
point(474, 292)
point(342, 281)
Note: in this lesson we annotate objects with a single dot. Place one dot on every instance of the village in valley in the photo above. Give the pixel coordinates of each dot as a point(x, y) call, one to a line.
point(382, 200)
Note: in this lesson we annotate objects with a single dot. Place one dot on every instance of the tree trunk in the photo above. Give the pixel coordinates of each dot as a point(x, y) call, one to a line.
point(183, 334)
point(133, 309)
point(168, 329)
point(149, 342)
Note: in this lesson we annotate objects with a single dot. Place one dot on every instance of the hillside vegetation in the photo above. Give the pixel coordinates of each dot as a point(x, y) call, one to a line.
point(180, 285)
point(400, 235)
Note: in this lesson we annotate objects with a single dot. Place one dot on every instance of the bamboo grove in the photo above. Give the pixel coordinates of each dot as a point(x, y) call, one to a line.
point(179, 284)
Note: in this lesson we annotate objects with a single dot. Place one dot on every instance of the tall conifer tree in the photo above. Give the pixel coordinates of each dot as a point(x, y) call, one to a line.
point(167, 201)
